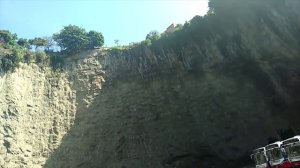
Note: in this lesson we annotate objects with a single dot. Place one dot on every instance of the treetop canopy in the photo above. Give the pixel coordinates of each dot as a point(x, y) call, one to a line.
point(73, 38)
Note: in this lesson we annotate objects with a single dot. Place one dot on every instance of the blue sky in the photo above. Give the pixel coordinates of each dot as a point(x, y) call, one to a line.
point(125, 20)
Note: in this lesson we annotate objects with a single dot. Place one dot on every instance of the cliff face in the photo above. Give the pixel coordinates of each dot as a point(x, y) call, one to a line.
point(37, 109)
point(206, 103)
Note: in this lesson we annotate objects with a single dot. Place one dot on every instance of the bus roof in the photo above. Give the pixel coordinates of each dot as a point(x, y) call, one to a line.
point(273, 145)
point(291, 140)
point(261, 149)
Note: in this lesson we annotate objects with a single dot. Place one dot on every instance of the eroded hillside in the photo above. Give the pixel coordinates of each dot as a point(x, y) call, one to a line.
point(204, 96)
point(37, 110)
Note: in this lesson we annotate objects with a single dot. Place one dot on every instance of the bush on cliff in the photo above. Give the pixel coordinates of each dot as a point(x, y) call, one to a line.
point(29, 56)
point(56, 62)
point(23, 42)
point(7, 38)
point(10, 61)
point(95, 39)
point(73, 39)
point(41, 57)
point(38, 42)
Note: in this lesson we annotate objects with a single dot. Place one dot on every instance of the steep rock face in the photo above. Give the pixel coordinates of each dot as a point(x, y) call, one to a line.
point(207, 103)
point(37, 109)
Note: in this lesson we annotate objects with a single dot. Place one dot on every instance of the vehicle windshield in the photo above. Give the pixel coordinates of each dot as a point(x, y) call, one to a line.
point(274, 154)
point(259, 158)
point(293, 150)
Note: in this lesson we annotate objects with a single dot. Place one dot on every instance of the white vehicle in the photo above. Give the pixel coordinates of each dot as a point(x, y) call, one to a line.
point(274, 153)
point(292, 148)
point(259, 157)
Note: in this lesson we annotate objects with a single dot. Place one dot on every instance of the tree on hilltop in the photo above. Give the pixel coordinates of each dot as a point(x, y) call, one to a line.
point(8, 38)
point(73, 39)
point(38, 42)
point(23, 42)
point(95, 38)
point(153, 35)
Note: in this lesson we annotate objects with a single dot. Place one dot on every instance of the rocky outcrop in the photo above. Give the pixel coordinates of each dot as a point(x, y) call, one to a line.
point(208, 103)
point(37, 110)
point(205, 104)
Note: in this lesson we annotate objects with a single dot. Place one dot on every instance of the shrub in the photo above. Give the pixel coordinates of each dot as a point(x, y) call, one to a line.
point(153, 35)
point(28, 57)
point(23, 42)
point(41, 57)
point(9, 62)
point(117, 50)
point(56, 62)
point(95, 38)
point(7, 38)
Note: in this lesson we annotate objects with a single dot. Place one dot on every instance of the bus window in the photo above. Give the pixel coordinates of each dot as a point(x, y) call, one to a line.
point(274, 154)
point(259, 158)
point(295, 150)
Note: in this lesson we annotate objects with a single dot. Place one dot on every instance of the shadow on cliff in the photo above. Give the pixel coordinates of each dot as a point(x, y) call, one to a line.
point(165, 121)
point(111, 132)
point(240, 92)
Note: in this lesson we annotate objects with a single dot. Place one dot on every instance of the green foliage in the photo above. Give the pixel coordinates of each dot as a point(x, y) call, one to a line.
point(72, 39)
point(56, 62)
point(147, 42)
point(29, 56)
point(153, 35)
point(222, 19)
point(23, 42)
point(8, 62)
point(41, 57)
point(179, 27)
point(13, 52)
point(50, 44)
point(7, 38)
point(117, 50)
point(196, 31)
point(38, 42)
point(18, 54)
point(211, 6)
point(95, 38)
